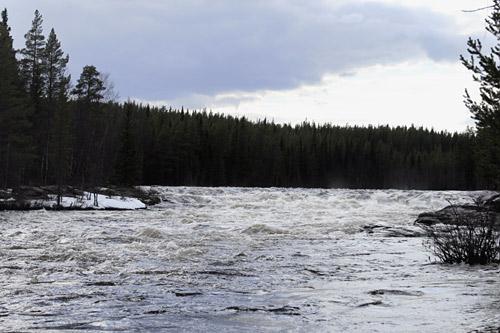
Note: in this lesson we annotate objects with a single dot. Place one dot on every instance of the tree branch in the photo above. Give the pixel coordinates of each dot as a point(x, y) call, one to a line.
point(477, 9)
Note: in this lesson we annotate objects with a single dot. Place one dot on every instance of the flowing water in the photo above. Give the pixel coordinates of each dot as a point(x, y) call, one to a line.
point(241, 260)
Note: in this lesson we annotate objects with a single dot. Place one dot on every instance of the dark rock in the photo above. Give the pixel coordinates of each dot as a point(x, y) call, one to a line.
point(18, 205)
point(11, 267)
point(493, 203)
point(364, 305)
point(102, 284)
point(187, 293)
point(150, 198)
point(392, 231)
point(30, 193)
point(155, 312)
point(316, 272)
point(284, 310)
point(395, 292)
point(226, 273)
point(451, 214)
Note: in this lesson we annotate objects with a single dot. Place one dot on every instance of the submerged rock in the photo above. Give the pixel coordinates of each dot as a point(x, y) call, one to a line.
point(392, 231)
point(183, 293)
point(283, 310)
point(101, 284)
point(151, 233)
point(395, 292)
point(263, 229)
point(364, 305)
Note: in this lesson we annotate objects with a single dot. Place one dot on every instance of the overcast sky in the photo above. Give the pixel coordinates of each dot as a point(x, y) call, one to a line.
point(340, 61)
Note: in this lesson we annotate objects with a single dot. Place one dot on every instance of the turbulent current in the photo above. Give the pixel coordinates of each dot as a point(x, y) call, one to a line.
point(241, 260)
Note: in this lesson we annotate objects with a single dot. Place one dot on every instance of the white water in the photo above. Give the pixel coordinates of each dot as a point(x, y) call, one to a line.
point(246, 260)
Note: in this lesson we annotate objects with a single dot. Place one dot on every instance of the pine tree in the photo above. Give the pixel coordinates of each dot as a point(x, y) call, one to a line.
point(32, 63)
point(89, 87)
point(56, 92)
point(91, 131)
point(14, 111)
point(485, 67)
point(33, 66)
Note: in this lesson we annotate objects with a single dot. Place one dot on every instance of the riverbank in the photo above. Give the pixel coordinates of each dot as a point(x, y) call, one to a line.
point(27, 198)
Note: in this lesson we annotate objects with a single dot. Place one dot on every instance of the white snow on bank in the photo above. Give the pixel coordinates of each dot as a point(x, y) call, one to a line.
point(87, 202)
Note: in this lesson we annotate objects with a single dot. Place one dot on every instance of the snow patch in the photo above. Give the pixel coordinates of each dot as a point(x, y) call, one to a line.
point(87, 202)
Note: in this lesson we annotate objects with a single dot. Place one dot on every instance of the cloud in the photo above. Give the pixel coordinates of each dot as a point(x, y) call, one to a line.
point(166, 50)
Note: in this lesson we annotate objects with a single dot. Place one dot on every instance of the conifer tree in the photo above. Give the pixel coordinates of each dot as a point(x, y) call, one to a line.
point(14, 112)
point(485, 66)
point(32, 63)
point(91, 131)
point(92, 141)
point(33, 74)
point(89, 87)
point(56, 92)
point(61, 147)
point(57, 80)
point(127, 164)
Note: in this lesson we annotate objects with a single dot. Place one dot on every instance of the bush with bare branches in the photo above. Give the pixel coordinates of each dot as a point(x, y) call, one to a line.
point(471, 239)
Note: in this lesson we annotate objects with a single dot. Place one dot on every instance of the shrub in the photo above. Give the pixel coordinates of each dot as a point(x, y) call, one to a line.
point(471, 239)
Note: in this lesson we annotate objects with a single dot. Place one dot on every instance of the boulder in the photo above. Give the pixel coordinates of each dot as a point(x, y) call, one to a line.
point(493, 203)
point(150, 198)
point(451, 214)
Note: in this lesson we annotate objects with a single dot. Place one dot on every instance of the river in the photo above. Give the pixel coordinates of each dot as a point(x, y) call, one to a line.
point(241, 260)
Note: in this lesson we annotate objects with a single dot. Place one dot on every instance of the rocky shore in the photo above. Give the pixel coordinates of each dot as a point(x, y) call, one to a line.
point(71, 198)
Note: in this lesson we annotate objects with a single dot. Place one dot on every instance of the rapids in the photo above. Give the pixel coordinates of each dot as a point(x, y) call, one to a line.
point(245, 260)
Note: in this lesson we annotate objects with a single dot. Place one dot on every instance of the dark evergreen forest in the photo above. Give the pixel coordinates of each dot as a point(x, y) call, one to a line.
point(53, 131)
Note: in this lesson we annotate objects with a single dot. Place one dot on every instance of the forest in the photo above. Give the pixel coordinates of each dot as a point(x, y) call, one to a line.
point(56, 131)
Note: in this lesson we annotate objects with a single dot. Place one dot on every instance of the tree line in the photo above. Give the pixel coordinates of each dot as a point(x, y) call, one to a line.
point(55, 132)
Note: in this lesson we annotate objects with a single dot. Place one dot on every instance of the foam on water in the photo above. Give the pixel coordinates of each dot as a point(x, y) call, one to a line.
point(233, 259)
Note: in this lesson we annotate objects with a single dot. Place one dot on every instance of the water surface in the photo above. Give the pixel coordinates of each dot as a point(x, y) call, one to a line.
point(247, 260)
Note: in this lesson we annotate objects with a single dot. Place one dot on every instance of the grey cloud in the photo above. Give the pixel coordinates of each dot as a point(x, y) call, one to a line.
point(169, 49)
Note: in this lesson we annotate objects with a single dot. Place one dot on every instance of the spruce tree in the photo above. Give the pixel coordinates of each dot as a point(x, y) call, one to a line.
point(485, 66)
point(57, 80)
point(127, 164)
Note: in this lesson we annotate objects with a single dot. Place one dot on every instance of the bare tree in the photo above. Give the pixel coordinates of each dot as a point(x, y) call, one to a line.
point(110, 94)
